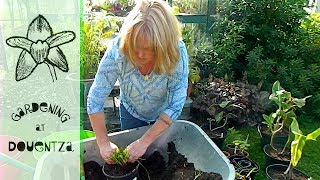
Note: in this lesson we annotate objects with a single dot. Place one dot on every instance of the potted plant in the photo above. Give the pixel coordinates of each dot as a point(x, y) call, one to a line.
point(289, 172)
point(217, 130)
point(239, 147)
point(121, 169)
point(246, 169)
point(277, 121)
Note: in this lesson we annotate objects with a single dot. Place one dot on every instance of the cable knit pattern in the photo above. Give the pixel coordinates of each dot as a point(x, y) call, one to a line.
point(144, 100)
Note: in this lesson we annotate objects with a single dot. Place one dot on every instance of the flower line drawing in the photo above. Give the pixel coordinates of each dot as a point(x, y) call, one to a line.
point(40, 46)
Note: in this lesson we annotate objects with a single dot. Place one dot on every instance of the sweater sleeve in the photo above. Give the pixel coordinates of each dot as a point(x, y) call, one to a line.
point(104, 80)
point(178, 84)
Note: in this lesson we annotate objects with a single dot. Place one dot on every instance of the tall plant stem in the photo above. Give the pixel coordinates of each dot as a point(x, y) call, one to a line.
point(288, 171)
point(274, 133)
point(224, 124)
point(288, 140)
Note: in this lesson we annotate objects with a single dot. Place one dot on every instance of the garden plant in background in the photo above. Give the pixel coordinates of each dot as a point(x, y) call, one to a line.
point(282, 117)
point(95, 30)
point(297, 146)
point(238, 102)
point(265, 41)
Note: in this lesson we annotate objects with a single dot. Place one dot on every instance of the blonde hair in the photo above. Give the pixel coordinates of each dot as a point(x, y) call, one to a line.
point(153, 21)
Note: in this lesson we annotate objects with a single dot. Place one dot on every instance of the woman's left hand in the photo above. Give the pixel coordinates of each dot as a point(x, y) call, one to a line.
point(136, 150)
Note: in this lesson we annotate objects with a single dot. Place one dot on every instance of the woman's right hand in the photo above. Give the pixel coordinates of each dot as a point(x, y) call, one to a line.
point(106, 151)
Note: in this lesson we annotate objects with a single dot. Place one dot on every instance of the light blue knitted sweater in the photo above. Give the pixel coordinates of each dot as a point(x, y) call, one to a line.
point(143, 99)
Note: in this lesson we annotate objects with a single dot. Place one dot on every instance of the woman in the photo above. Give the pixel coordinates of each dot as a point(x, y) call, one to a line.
point(150, 61)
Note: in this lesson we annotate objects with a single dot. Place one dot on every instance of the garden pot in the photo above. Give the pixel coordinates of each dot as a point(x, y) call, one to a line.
point(276, 172)
point(272, 156)
point(217, 136)
point(226, 153)
point(244, 166)
point(231, 149)
point(130, 171)
point(265, 134)
point(8, 171)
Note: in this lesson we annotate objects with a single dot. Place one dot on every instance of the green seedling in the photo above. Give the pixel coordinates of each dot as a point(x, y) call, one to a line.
point(120, 156)
point(241, 145)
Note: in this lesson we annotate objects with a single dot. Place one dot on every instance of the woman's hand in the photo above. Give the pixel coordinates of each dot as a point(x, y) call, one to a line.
point(106, 151)
point(136, 150)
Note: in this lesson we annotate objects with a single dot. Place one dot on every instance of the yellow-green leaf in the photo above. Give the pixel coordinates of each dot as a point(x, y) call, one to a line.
point(314, 135)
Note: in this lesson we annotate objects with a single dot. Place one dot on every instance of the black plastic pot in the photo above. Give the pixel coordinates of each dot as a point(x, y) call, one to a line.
point(218, 140)
point(243, 165)
point(266, 136)
point(272, 160)
point(282, 168)
point(130, 176)
point(231, 148)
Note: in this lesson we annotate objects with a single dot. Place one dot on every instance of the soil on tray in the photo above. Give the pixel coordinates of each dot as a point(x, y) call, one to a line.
point(177, 168)
point(278, 175)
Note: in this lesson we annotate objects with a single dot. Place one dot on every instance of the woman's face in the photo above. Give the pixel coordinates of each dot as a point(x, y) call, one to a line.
point(144, 53)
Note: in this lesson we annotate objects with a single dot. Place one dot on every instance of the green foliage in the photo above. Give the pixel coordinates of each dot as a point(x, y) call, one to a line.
point(285, 112)
point(233, 135)
point(227, 46)
point(241, 145)
point(298, 144)
point(262, 41)
point(299, 141)
point(95, 30)
point(190, 6)
point(116, 7)
point(120, 156)
point(194, 73)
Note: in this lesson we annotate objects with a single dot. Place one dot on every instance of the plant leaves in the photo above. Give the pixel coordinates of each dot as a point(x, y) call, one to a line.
point(224, 104)
point(314, 135)
point(276, 87)
point(296, 148)
point(295, 127)
point(218, 117)
point(300, 102)
point(268, 119)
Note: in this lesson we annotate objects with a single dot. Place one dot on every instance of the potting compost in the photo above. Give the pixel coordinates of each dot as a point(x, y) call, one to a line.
point(177, 168)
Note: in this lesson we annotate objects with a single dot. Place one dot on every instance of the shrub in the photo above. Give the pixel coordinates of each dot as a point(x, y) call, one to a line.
point(239, 102)
point(265, 41)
